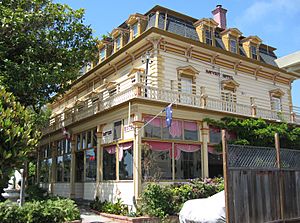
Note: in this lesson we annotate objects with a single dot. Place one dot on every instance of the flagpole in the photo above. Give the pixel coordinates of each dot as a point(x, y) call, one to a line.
point(156, 116)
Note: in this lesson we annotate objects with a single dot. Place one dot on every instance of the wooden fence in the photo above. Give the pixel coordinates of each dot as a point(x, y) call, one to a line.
point(261, 184)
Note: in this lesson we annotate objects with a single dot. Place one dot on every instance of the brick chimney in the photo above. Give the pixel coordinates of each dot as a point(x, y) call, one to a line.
point(220, 16)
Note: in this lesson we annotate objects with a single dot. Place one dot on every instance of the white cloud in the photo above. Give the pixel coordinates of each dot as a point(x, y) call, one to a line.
point(269, 10)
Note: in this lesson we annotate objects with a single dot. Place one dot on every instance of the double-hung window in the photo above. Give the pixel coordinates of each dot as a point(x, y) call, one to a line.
point(208, 36)
point(233, 46)
point(134, 30)
point(276, 103)
point(253, 52)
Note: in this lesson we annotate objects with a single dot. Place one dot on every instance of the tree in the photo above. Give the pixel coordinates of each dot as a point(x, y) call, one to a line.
point(18, 136)
point(43, 45)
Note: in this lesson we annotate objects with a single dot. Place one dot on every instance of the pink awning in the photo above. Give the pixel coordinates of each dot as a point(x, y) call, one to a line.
point(189, 148)
point(159, 146)
point(110, 149)
point(212, 150)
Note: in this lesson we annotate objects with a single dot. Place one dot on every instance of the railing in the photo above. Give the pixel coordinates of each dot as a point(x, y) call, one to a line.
point(274, 115)
point(226, 106)
point(135, 89)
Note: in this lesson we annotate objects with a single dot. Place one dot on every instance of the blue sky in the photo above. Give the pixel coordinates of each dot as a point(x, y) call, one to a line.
point(276, 22)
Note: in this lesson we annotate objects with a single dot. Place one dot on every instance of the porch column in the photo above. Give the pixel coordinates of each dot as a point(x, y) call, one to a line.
point(73, 166)
point(137, 163)
point(99, 176)
point(204, 152)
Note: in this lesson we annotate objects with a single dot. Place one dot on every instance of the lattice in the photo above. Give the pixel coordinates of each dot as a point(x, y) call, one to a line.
point(261, 157)
point(290, 159)
point(251, 157)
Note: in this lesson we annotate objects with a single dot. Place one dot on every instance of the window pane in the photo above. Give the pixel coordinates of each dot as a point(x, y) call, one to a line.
point(45, 174)
point(78, 142)
point(117, 130)
point(156, 165)
point(233, 45)
point(67, 167)
point(79, 162)
point(125, 165)
point(89, 139)
point(59, 168)
point(188, 166)
point(83, 145)
point(135, 30)
point(153, 129)
point(95, 138)
point(190, 131)
point(174, 132)
point(109, 166)
point(91, 165)
point(214, 135)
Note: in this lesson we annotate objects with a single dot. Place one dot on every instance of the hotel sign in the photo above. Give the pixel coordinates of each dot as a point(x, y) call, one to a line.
point(218, 74)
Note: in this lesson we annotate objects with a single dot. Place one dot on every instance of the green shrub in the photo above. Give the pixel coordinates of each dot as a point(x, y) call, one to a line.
point(157, 201)
point(161, 201)
point(49, 211)
point(117, 208)
point(34, 192)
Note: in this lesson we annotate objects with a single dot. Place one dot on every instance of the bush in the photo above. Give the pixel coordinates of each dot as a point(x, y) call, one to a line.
point(117, 208)
point(157, 201)
point(34, 192)
point(161, 201)
point(49, 211)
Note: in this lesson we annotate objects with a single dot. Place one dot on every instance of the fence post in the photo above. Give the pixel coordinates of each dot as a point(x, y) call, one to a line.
point(225, 170)
point(281, 189)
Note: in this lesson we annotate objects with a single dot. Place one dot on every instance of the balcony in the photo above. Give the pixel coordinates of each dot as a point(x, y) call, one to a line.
point(155, 90)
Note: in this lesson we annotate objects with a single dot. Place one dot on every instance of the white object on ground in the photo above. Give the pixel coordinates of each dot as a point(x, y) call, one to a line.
point(206, 210)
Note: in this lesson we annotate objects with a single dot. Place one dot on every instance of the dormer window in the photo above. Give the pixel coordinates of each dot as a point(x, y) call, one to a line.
point(102, 54)
point(208, 37)
point(233, 46)
point(134, 30)
point(253, 52)
point(118, 42)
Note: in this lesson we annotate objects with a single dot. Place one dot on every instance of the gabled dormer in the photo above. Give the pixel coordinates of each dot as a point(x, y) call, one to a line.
point(105, 47)
point(230, 38)
point(137, 24)
point(120, 37)
point(251, 46)
point(206, 30)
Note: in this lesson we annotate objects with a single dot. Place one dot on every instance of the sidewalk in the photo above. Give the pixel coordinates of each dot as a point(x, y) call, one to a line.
point(89, 217)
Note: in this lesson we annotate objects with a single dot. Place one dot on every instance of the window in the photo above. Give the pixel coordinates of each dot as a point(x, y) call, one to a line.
point(276, 103)
point(112, 91)
point(46, 164)
point(214, 135)
point(190, 131)
point(229, 100)
point(90, 165)
point(253, 52)
point(89, 139)
point(152, 129)
point(118, 43)
point(117, 130)
point(83, 141)
point(188, 164)
point(156, 161)
point(102, 54)
point(186, 88)
point(179, 129)
point(109, 163)
point(63, 161)
point(208, 37)
point(135, 30)
point(233, 46)
point(125, 161)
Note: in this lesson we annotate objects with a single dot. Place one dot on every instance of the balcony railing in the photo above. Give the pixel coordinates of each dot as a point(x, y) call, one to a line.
point(135, 89)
